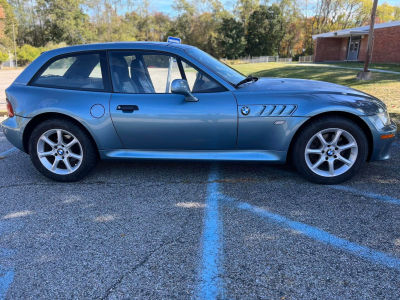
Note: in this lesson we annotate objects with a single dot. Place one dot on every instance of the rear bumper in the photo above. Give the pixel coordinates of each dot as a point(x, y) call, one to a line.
point(381, 147)
point(13, 129)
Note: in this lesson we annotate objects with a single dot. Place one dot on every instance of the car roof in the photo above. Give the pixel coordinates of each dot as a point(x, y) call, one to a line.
point(116, 45)
point(32, 68)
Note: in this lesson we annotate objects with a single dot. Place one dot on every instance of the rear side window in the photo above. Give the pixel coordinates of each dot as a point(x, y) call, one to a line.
point(77, 71)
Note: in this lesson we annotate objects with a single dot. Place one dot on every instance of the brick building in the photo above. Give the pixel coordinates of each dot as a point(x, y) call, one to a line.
point(351, 44)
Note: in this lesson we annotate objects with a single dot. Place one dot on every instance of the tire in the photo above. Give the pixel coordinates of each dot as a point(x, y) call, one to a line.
point(76, 155)
point(315, 159)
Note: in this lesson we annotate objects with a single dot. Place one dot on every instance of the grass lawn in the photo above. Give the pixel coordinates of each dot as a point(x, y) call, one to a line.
point(384, 86)
point(388, 67)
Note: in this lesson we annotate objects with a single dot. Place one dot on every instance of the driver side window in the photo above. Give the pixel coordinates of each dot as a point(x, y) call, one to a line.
point(200, 82)
point(137, 72)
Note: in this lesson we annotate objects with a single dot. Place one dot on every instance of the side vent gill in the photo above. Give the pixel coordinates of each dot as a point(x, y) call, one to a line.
point(277, 110)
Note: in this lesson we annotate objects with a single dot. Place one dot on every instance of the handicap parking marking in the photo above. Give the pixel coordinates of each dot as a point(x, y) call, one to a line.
point(211, 285)
point(319, 235)
point(5, 153)
point(379, 197)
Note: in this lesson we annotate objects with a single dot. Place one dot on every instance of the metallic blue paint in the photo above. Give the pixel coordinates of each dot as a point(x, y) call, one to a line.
point(32, 101)
point(196, 155)
point(167, 121)
point(167, 127)
point(13, 129)
point(381, 147)
point(262, 133)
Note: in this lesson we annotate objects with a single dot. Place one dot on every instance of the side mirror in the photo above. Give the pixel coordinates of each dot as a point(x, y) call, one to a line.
point(181, 87)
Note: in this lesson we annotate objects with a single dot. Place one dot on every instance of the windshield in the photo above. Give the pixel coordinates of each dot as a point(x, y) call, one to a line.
point(222, 70)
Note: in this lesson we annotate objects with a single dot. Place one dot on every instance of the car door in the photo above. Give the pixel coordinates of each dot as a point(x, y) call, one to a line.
point(148, 116)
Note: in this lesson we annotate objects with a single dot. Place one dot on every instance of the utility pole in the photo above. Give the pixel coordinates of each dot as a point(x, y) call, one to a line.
point(15, 48)
point(366, 74)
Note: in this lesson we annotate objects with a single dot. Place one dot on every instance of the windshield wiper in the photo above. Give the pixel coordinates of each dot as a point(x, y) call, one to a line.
point(247, 79)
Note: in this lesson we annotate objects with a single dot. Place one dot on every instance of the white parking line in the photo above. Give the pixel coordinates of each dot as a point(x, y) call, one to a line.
point(211, 285)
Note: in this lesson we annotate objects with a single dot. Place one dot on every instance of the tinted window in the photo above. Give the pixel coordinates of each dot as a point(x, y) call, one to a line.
point(142, 73)
point(200, 82)
point(78, 71)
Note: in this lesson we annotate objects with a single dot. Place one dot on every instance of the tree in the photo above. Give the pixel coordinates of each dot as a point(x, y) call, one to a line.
point(64, 21)
point(7, 20)
point(264, 31)
point(231, 38)
point(244, 9)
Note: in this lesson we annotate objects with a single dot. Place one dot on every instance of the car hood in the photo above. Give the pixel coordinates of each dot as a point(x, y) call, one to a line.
point(298, 85)
point(316, 92)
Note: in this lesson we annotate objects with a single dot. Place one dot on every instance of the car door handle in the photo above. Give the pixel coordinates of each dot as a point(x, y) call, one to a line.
point(130, 108)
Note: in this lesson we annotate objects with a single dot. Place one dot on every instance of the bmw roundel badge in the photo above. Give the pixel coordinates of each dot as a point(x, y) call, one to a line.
point(245, 110)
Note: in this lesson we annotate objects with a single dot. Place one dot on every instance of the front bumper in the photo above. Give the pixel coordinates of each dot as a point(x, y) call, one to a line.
point(380, 147)
point(13, 129)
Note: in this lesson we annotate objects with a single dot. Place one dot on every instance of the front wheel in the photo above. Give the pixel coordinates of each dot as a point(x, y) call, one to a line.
point(62, 151)
point(330, 150)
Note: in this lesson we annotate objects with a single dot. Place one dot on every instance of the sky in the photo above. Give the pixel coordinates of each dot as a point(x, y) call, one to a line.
point(166, 5)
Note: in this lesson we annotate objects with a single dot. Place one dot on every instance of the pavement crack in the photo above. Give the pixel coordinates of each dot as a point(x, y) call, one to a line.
point(148, 256)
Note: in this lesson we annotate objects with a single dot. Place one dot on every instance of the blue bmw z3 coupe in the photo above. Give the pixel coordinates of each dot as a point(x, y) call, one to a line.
point(162, 101)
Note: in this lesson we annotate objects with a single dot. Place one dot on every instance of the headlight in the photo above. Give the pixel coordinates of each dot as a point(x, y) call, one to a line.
point(384, 116)
point(381, 119)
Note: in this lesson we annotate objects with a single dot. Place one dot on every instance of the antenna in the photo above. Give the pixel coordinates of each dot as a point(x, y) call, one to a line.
point(82, 38)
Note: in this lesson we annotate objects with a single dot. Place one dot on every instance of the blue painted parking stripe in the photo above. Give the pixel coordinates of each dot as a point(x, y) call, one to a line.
point(322, 236)
point(366, 194)
point(5, 153)
point(6, 278)
point(6, 273)
point(211, 284)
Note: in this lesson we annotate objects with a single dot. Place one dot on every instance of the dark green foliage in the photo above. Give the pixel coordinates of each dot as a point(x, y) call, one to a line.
point(232, 40)
point(264, 31)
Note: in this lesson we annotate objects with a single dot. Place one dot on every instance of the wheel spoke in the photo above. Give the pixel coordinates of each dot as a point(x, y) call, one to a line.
point(337, 136)
point(73, 142)
point(44, 154)
point(331, 167)
point(55, 164)
point(67, 164)
point(347, 146)
point(321, 139)
point(47, 141)
point(59, 137)
point(76, 156)
point(345, 161)
point(314, 151)
point(318, 163)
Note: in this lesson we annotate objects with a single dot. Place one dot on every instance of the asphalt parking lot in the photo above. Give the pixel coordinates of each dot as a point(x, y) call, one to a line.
point(143, 230)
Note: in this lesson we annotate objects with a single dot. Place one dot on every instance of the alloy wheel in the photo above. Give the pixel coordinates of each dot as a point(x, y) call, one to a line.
point(331, 152)
point(59, 151)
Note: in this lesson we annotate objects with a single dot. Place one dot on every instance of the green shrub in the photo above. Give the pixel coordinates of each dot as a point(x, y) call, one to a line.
point(27, 54)
point(3, 58)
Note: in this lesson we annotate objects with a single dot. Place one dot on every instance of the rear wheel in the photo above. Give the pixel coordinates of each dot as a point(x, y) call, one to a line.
point(330, 150)
point(62, 151)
